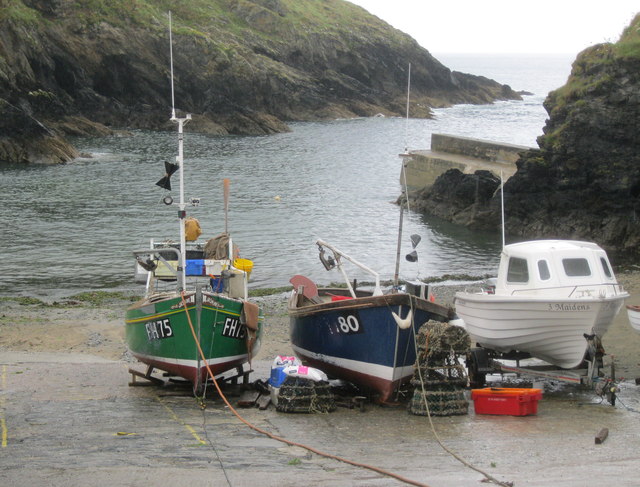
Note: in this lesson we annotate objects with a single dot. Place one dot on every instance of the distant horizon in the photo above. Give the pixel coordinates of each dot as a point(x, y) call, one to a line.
point(505, 53)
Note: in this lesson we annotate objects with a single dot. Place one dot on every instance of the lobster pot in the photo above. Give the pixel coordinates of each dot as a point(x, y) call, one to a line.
point(442, 399)
point(439, 378)
point(301, 395)
point(442, 339)
point(443, 373)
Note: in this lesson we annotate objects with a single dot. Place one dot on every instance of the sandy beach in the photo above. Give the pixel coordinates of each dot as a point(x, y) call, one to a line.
point(70, 418)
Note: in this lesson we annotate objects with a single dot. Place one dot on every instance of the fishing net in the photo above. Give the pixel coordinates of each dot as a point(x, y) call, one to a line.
point(217, 248)
point(439, 378)
point(300, 395)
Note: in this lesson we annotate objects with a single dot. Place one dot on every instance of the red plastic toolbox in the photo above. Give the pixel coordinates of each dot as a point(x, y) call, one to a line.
point(509, 401)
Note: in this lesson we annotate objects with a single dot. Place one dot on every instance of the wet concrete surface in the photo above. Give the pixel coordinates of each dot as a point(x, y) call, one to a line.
point(73, 420)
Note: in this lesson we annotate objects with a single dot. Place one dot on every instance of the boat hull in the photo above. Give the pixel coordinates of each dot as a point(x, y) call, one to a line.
point(358, 340)
point(159, 333)
point(551, 330)
point(633, 313)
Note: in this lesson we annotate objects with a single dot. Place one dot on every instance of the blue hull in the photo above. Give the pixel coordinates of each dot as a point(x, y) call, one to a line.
point(359, 340)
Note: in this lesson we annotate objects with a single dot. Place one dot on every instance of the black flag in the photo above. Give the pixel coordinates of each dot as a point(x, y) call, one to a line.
point(165, 182)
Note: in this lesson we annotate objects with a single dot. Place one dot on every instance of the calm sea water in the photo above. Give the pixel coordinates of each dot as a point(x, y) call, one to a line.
point(71, 228)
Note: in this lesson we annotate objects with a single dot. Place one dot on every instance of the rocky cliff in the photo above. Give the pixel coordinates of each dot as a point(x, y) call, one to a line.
point(241, 67)
point(584, 182)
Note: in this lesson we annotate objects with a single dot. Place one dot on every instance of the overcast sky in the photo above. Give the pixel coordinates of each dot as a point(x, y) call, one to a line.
point(510, 26)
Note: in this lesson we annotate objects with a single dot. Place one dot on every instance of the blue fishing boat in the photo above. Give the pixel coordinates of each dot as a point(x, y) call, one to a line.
point(366, 337)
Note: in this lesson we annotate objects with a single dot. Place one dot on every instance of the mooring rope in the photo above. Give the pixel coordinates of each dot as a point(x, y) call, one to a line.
point(433, 428)
point(284, 440)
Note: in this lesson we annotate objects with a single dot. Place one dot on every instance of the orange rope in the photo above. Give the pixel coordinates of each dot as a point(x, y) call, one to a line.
point(284, 440)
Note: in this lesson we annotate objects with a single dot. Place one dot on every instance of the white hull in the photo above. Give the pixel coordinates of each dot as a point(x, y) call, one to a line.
point(551, 330)
point(633, 312)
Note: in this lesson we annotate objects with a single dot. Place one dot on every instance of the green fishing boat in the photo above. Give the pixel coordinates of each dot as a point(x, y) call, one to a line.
point(195, 315)
point(207, 322)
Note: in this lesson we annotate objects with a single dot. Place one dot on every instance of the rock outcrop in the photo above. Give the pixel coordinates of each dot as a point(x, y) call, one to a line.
point(584, 181)
point(241, 66)
point(460, 198)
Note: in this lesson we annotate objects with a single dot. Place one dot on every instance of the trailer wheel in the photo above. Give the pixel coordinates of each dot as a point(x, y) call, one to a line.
point(611, 394)
point(476, 361)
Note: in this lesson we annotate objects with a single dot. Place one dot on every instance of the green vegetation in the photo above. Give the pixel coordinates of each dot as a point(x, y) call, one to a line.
point(99, 298)
point(89, 298)
point(268, 291)
point(214, 19)
point(629, 44)
point(18, 11)
point(23, 300)
point(592, 74)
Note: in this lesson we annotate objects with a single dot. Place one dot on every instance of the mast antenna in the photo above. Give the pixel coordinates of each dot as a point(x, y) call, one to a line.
point(406, 122)
point(173, 103)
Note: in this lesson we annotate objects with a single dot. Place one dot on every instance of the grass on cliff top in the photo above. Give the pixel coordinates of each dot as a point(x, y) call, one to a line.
point(629, 44)
point(211, 18)
point(590, 73)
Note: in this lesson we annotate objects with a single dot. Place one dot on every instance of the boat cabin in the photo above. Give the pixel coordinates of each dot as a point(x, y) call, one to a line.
point(566, 267)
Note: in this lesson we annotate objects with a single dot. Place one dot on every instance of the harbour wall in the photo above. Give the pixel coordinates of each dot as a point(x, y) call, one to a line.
point(422, 167)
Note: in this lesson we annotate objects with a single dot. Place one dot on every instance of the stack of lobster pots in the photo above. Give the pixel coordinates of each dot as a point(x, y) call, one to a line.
point(440, 379)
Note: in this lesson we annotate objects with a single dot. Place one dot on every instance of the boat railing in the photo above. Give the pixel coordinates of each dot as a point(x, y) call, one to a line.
point(338, 254)
point(601, 290)
point(224, 277)
point(155, 256)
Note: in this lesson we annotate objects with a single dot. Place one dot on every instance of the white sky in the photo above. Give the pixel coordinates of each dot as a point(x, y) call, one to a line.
point(507, 26)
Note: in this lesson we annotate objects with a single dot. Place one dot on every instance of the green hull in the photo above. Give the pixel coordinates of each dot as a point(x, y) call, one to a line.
point(158, 333)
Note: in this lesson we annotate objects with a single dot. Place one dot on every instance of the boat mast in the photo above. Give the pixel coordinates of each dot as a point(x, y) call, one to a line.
point(404, 193)
point(406, 122)
point(502, 207)
point(180, 161)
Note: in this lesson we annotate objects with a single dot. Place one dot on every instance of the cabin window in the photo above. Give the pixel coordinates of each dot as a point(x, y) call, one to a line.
point(576, 267)
point(518, 271)
point(543, 270)
point(606, 268)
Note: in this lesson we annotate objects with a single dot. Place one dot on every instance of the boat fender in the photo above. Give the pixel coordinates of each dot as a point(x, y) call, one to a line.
point(403, 324)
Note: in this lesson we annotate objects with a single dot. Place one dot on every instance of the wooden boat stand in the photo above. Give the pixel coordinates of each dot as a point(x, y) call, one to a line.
point(152, 380)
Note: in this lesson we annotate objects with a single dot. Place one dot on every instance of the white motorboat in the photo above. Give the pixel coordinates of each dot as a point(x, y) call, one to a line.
point(548, 296)
point(633, 312)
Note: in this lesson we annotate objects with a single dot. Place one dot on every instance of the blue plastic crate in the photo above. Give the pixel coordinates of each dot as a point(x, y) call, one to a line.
point(196, 267)
point(277, 376)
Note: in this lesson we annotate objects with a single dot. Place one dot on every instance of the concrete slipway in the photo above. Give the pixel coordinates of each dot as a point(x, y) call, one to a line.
point(72, 420)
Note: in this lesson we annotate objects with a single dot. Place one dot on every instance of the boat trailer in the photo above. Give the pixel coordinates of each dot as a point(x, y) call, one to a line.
point(482, 361)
